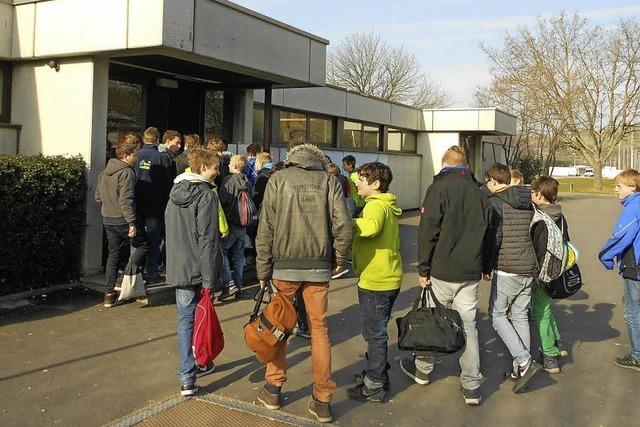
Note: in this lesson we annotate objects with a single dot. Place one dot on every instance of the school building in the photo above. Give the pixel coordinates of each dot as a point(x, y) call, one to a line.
point(76, 73)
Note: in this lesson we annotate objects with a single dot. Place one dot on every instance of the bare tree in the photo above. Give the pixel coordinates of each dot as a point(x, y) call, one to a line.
point(367, 64)
point(582, 81)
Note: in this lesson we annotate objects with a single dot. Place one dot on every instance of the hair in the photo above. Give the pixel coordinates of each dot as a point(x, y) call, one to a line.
point(350, 160)
point(192, 141)
point(547, 187)
point(500, 173)
point(253, 149)
point(238, 161)
point(333, 169)
point(170, 135)
point(130, 144)
point(454, 156)
point(215, 144)
point(376, 171)
point(200, 158)
point(151, 136)
point(263, 158)
point(517, 175)
point(629, 177)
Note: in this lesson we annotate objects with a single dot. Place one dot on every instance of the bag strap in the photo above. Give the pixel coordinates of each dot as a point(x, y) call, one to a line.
point(280, 335)
point(421, 298)
point(433, 297)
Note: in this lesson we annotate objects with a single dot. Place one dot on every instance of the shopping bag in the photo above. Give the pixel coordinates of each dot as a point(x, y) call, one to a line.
point(132, 283)
point(434, 330)
point(208, 340)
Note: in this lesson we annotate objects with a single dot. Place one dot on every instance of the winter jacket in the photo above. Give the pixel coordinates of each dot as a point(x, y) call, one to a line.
point(115, 192)
point(303, 218)
point(222, 219)
point(153, 181)
point(250, 171)
point(623, 247)
point(192, 233)
point(453, 227)
point(376, 244)
point(353, 189)
point(261, 184)
point(229, 191)
point(182, 162)
point(539, 233)
point(510, 241)
point(223, 169)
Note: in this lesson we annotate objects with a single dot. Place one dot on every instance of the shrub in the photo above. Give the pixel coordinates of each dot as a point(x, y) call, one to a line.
point(42, 219)
point(530, 167)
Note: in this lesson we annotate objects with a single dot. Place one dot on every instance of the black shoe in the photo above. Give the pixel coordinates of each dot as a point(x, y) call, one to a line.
point(188, 389)
point(551, 363)
point(628, 362)
point(471, 397)
point(110, 299)
point(339, 272)
point(201, 371)
point(228, 293)
point(270, 400)
point(321, 410)
point(408, 366)
point(511, 376)
point(359, 379)
point(525, 375)
point(303, 333)
point(561, 347)
point(364, 394)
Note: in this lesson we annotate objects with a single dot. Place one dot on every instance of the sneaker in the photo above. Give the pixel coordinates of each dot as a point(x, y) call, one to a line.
point(188, 389)
point(321, 410)
point(511, 375)
point(269, 400)
point(471, 397)
point(201, 371)
point(110, 299)
point(359, 379)
point(551, 363)
point(628, 362)
point(408, 366)
point(302, 333)
point(339, 272)
point(525, 375)
point(228, 292)
point(364, 394)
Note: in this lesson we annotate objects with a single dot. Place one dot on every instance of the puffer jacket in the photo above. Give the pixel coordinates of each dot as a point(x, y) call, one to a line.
point(303, 218)
point(115, 192)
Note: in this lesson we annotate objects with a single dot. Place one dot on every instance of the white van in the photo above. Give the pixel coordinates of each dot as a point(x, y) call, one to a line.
point(588, 171)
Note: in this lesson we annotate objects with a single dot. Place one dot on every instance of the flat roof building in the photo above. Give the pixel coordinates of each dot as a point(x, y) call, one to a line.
point(74, 74)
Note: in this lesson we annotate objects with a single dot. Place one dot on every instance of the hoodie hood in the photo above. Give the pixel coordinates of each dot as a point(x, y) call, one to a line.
point(115, 165)
point(188, 187)
point(389, 200)
point(518, 197)
point(630, 199)
point(307, 156)
point(554, 211)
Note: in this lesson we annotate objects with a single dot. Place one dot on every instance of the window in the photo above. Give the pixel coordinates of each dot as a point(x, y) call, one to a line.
point(125, 111)
point(5, 92)
point(371, 140)
point(321, 131)
point(401, 140)
point(258, 123)
point(409, 141)
point(213, 113)
point(352, 134)
point(292, 125)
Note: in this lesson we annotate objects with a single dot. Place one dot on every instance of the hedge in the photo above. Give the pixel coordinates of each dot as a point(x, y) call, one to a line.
point(42, 220)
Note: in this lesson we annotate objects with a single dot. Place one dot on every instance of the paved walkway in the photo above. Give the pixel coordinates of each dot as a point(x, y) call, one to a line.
point(65, 360)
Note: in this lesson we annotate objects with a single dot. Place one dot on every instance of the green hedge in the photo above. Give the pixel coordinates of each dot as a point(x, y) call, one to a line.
point(42, 219)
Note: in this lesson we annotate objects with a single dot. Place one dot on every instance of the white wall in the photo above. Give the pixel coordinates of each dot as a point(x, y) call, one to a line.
point(8, 140)
point(6, 26)
point(432, 147)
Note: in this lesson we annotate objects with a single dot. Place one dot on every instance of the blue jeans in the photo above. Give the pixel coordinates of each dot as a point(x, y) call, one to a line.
point(632, 314)
point(186, 301)
point(153, 227)
point(375, 311)
point(514, 293)
point(233, 246)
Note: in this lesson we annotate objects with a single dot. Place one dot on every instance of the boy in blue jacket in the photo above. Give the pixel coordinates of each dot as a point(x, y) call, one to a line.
point(623, 248)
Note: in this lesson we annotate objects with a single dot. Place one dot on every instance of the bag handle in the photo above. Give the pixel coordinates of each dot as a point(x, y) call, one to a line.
point(421, 300)
point(259, 300)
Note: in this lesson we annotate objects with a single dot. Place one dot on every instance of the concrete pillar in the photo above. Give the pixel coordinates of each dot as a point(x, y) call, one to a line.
point(241, 102)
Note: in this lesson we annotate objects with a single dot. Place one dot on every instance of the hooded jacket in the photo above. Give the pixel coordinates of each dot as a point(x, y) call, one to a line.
point(115, 192)
point(153, 181)
point(261, 184)
point(303, 219)
point(623, 247)
point(231, 187)
point(376, 244)
point(539, 231)
point(510, 242)
point(192, 233)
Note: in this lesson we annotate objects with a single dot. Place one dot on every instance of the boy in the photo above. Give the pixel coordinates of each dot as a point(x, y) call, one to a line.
point(193, 244)
point(263, 166)
point(233, 244)
point(515, 265)
point(378, 265)
point(349, 166)
point(182, 160)
point(624, 248)
point(250, 170)
point(516, 177)
point(544, 191)
point(115, 193)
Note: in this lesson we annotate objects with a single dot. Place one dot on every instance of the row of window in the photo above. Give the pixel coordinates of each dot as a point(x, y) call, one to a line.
point(5, 92)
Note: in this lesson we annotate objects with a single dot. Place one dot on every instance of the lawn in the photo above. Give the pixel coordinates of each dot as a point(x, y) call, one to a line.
point(584, 185)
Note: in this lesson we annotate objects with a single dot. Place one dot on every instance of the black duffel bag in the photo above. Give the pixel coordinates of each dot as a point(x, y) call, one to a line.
point(434, 330)
point(567, 284)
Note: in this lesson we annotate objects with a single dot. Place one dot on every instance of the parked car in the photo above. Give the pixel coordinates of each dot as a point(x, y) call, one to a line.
point(588, 171)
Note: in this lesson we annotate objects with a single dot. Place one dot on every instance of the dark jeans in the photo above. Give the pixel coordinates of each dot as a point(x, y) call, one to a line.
point(118, 243)
point(153, 228)
point(375, 312)
point(301, 311)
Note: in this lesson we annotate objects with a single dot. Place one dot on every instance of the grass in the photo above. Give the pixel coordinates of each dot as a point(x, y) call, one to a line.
point(584, 185)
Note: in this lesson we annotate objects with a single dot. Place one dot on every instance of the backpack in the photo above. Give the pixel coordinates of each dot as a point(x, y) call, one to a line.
point(247, 212)
point(553, 264)
point(208, 339)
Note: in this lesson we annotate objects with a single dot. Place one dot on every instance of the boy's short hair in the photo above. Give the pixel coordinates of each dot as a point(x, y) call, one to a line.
point(629, 177)
point(215, 144)
point(253, 149)
point(201, 158)
point(151, 136)
point(516, 174)
point(547, 187)
point(170, 135)
point(350, 160)
point(263, 158)
point(376, 171)
point(192, 141)
point(238, 161)
point(454, 156)
point(500, 173)
point(130, 144)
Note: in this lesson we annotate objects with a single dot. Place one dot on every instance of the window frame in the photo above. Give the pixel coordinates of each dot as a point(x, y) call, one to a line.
point(308, 115)
point(362, 149)
point(5, 113)
point(403, 132)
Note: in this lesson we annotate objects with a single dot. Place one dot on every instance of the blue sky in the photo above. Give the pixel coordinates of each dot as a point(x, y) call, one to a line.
point(444, 34)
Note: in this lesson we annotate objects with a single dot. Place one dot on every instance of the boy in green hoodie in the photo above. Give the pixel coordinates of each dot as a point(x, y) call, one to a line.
point(378, 265)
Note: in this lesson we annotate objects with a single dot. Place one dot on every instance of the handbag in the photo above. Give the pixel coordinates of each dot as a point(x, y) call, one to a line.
point(567, 284)
point(132, 283)
point(434, 330)
point(208, 339)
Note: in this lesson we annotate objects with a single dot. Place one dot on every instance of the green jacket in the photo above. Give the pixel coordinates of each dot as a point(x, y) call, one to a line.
point(353, 189)
point(376, 244)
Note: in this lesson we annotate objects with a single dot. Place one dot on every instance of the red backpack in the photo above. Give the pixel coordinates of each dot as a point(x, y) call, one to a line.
point(208, 340)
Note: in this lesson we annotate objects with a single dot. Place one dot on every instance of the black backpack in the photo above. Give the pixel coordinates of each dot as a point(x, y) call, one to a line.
point(569, 282)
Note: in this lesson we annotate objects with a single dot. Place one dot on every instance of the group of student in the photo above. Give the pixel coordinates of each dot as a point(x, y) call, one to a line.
point(312, 223)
